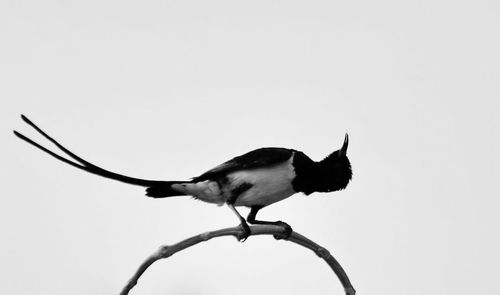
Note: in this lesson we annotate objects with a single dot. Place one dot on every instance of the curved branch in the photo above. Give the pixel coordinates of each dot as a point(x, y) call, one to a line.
point(169, 250)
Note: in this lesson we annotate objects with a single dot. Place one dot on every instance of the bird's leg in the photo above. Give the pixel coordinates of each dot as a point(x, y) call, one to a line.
point(243, 223)
point(287, 229)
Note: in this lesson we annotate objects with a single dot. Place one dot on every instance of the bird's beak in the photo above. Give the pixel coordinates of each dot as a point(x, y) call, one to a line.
point(343, 150)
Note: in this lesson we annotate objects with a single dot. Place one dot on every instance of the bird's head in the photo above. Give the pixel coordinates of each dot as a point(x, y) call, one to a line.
point(334, 172)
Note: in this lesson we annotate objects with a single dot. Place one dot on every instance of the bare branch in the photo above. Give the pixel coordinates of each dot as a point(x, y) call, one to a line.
point(169, 250)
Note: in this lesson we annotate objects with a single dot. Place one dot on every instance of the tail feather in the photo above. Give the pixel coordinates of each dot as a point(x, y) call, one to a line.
point(156, 188)
point(164, 190)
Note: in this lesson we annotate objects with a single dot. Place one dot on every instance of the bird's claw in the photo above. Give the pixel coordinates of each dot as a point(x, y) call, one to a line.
point(287, 231)
point(243, 236)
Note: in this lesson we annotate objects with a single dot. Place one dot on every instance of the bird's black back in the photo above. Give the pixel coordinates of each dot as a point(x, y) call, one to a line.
point(254, 159)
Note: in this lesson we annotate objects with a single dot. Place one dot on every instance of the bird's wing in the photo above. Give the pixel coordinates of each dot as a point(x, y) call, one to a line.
point(251, 160)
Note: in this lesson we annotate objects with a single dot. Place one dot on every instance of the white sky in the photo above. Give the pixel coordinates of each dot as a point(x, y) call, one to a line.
point(169, 89)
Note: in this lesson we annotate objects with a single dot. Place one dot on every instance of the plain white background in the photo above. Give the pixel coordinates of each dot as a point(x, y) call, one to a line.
point(169, 89)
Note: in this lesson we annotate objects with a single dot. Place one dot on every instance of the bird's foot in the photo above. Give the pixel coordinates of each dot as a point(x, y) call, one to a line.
point(245, 234)
point(287, 231)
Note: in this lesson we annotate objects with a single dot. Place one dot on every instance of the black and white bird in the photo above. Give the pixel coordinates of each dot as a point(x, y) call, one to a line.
point(256, 179)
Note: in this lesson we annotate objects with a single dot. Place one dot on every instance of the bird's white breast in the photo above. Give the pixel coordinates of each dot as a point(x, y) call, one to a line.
point(269, 185)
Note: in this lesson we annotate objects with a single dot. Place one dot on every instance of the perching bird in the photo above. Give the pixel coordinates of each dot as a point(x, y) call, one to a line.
point(256, 179)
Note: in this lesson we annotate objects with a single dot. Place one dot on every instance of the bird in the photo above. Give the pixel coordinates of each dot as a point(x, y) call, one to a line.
point(255, 179)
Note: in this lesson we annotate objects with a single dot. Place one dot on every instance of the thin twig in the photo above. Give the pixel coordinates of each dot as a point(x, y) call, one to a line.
point(169, 250)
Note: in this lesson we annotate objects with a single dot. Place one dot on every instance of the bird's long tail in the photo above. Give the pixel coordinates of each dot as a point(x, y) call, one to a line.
point(155, 188)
